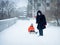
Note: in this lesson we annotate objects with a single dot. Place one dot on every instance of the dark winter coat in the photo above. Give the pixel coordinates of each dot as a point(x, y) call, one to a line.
point(41, 21)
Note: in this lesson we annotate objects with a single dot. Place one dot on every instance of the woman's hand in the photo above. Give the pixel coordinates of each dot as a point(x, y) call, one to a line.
point(36, 23)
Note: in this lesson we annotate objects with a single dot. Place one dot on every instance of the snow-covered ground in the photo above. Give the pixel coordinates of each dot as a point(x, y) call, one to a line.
point(18, 35)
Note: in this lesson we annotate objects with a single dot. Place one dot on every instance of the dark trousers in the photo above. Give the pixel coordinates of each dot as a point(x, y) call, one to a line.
point(41, 32)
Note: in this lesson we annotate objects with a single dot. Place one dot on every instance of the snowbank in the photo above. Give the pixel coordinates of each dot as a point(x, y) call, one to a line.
point(7, 23)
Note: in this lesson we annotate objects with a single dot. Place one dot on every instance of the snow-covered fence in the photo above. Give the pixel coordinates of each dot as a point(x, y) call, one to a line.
point(7, 23)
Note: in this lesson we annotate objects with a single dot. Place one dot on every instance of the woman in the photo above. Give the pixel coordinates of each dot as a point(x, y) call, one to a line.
point(41, 21)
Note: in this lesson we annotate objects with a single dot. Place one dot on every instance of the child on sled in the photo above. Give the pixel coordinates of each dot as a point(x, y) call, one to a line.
point(31, 29)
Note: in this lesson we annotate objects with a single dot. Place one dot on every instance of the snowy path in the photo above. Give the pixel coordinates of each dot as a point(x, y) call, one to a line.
point(18, 35)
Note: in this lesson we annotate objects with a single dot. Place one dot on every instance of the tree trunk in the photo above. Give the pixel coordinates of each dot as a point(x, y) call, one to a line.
point(2, 13)
point(57, 20)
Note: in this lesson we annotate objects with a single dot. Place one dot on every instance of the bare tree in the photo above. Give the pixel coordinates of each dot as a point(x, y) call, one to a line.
point(10, 6)
point(55, 10)
point(7, 7)
point(2, 5)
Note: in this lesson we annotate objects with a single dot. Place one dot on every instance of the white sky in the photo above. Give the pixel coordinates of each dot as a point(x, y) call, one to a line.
point(21, 3)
